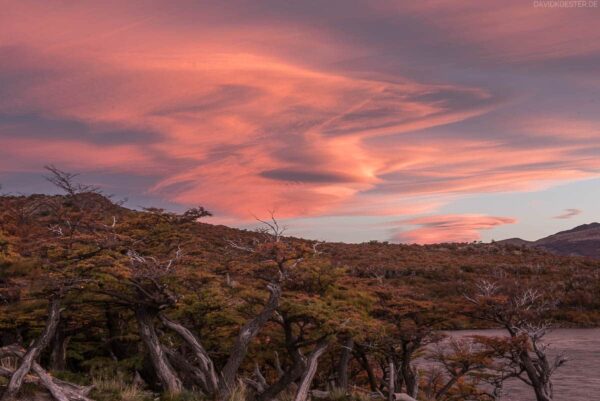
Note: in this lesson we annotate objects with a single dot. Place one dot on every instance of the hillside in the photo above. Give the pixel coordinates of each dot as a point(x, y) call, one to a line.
point(438, 273)
point(582, 240)
point(135, 292)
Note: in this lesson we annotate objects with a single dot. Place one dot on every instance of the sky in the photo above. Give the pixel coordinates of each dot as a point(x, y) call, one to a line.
point(413, 122)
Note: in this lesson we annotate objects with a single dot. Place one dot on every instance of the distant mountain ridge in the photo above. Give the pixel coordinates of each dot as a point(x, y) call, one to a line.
point(583, 240)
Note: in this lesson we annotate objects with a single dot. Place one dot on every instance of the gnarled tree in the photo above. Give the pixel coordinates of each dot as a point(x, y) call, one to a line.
point(523, 311)
point(152, 286)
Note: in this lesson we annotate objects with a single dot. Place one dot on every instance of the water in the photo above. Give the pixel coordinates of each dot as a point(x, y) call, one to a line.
point(577, 380)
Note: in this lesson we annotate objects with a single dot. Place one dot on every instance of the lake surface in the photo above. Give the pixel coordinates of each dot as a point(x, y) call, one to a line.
point(577, 380)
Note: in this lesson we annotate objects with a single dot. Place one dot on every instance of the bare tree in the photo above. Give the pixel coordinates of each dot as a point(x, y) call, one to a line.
point(461, 365)
point(285, 254)
point(522, 312)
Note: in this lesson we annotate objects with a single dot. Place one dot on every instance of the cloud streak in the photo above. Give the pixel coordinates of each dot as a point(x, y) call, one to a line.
point(568, 214)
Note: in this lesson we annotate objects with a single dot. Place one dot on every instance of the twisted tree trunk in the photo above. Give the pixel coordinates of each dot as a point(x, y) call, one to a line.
point(246, 334)
point(206, 364)
point(191, 375)
point(288, 377)
point(311, 368)
point(542, 386)
point(409, 373)
point(116, 327)
point(221, 384)
point(342, 371)
point(293, 372)
point(58, 353)
point(455, 378)
point(167, 376)
point(391, 380)
point(364, 361)
point(34, 351)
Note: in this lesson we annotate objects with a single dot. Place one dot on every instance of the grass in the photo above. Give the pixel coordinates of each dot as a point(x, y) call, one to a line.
point(183, 396)
point(119, 388)
point(340, 395)
point(239, 392)
point(116, 388)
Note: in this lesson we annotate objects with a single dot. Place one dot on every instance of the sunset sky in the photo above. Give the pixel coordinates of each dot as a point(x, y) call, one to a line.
point(410, 121)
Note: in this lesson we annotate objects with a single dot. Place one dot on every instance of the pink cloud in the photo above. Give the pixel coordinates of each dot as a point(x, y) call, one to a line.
point(246, 115)
point(448, 228)
point(217, 96)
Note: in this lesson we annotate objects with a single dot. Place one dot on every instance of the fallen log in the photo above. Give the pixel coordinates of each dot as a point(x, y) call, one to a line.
point(59, 389)
point(29, 356)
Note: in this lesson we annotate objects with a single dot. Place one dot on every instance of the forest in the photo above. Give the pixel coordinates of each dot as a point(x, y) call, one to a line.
point(101, 302)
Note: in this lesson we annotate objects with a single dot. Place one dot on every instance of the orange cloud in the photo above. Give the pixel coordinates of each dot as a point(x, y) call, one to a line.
point(448, 228)
point(246, 125)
